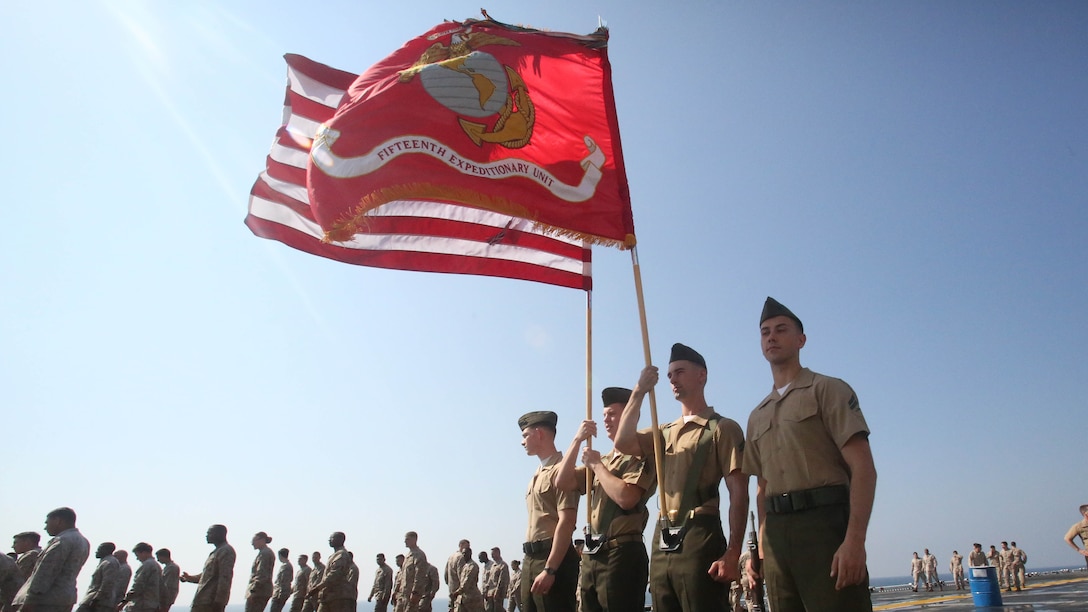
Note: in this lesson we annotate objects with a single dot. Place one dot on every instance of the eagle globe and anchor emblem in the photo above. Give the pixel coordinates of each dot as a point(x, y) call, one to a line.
point(474, 84)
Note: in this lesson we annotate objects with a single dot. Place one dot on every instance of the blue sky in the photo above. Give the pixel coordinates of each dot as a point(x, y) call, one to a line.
point(909, 178)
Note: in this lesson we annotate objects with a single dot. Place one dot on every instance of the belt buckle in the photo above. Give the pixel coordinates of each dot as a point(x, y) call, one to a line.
point(786, 504)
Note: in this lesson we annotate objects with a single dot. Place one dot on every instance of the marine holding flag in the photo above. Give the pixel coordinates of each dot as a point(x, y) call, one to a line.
point(483, 115)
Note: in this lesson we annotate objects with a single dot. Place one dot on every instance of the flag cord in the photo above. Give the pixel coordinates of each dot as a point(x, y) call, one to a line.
point(654, 429)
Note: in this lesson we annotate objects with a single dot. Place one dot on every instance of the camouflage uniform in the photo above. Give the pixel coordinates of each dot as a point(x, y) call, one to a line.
point(100, 594)
point(169, 585)
point(259, 590)
point(335, 591)
point(281, 590)
point(470, 598)
point(383, 587)
point(144, 594)
point(413, 579)
point(301, 588)
point(51, 587)
point(213, 586)
point(316, 574)
point(27, 560)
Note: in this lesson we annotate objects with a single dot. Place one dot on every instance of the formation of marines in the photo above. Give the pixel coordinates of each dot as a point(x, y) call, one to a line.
point(806, 443)
point(40, 579)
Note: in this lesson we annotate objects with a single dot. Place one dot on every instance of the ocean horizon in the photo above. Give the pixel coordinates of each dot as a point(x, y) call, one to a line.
point(441, 604)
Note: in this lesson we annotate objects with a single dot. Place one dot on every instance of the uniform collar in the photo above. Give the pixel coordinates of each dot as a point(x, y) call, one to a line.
point(550, 461)
point(804, 379)
point(699, 420)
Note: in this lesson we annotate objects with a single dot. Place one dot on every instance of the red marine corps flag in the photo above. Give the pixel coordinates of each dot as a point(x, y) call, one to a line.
point(482, 115)
point(417, 235)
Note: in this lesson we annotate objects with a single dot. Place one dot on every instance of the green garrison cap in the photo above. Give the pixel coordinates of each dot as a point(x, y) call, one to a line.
point(615, 395)
point(686, 353)
point(772, 309)
point(540, 417)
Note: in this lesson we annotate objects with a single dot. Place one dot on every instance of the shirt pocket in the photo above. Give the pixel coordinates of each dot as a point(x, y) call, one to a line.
point(801, 411)
point(760, 424)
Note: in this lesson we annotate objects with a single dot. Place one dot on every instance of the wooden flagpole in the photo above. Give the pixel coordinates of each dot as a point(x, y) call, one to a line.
point(655, 430)
point(589, 399)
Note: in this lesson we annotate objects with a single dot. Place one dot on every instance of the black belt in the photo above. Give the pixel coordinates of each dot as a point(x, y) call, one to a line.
point(809, 498)
point(537, 546)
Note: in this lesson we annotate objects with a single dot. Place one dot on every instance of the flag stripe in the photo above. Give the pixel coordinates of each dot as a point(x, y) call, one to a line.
point(403, 234)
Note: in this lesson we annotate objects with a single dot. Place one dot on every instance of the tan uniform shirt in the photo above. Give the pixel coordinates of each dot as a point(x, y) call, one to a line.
point(956, 563)
point(977, 558)
point(632, 470)
point(794, 440)
point(917, 566)
point(544, 501)
point(680, 440)
point(215, 580)
point(1078, 529)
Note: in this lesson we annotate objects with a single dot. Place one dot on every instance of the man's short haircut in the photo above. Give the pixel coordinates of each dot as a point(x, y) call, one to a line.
point(64, 513)
point(108, 547)
point(1083, 508)
point(304, 557)
point(283, 552)
point(412, 534)
point(37, 537)
point(163, 552)
point(142, 547)
point(219, 528)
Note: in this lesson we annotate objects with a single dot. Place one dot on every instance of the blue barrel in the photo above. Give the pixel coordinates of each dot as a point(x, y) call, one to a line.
point(985, 589)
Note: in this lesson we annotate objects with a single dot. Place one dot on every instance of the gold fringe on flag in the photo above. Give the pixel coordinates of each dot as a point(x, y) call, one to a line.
point(355, 221)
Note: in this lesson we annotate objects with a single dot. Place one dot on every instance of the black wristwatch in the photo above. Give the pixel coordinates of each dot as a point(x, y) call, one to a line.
point(549, 571)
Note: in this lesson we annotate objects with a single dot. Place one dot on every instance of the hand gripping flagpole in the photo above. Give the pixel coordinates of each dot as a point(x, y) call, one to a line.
point(654, 429)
